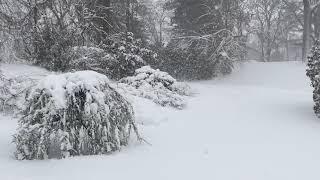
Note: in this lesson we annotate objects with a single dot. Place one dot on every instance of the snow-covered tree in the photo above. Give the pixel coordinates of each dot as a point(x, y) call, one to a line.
point(205, 33)
point(74, 114)
point(267, 20)
point(157, 86)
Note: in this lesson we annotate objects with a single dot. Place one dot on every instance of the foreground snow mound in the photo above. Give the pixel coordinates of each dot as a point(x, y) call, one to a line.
point(73, 114)
point(156, 85)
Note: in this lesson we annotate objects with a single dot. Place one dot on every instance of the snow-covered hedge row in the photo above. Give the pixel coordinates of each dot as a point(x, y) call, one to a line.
point(157, 86)
point(74, 114)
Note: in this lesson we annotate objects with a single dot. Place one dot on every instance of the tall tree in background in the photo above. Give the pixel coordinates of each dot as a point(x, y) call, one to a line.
point(267, 23)
point(209, 35)
point(309, 11)
point(157, 22)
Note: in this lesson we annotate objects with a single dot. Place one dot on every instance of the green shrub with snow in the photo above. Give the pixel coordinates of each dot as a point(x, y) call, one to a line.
point(73, 114)
point(157, 86)
point(118, 57)
point(313, 71)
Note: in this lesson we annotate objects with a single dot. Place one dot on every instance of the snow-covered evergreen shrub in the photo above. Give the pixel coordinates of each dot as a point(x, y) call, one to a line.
point(73, 114)
point(157, 86)
point(313, 71)
point(313, 68)
point(199, 57)
point(185, 65)
point(128, 55)
point(118, 57)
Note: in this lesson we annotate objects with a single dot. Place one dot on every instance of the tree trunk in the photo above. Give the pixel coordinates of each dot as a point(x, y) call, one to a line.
point(268, 53)
point(316, 23)
point(287, 47)
point(306, 29)
point(262, 49)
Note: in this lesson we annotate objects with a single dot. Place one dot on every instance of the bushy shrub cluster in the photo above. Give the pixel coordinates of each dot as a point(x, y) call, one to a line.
point(192, 65)
point(51, 48)
point(157, 86)
point(118, 57)
point(73, 114)
point(313, 71)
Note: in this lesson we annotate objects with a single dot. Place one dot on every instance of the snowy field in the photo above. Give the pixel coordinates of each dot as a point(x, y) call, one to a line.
point(257, 124)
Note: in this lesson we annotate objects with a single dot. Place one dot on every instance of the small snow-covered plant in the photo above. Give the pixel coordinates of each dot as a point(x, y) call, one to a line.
point(74, 114)
point(157, 86)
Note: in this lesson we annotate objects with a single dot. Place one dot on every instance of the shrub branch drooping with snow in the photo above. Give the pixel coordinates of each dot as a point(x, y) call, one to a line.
point(157, 86)
point(74, 114)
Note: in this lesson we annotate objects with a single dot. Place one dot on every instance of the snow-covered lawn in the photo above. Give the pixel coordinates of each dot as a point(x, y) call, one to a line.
point(257, 124)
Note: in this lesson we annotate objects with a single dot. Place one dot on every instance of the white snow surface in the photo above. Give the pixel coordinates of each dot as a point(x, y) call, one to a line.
point(20, 70)
point(62, 84)
point(257, 124)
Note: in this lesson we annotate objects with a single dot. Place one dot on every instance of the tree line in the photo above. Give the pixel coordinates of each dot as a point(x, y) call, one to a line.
point(190, 39)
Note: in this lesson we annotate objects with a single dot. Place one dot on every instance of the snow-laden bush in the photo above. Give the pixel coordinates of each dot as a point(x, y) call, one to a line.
point(199, 57)
point(13, 92)
point(157, 86)
point(313, 68)
point(118, 57)
point(73, 114)
point(313, 71)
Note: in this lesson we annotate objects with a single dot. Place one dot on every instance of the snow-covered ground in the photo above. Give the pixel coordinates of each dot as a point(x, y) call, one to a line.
point(257, 124)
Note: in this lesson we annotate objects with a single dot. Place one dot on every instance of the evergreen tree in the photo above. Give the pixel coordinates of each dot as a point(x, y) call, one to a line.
point(207, 33)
